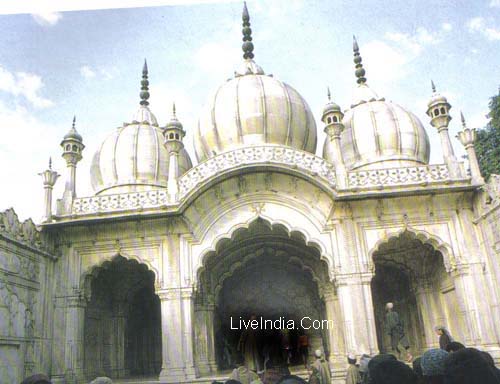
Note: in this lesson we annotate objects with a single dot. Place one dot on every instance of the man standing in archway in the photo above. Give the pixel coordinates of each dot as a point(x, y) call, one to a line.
point(394, 328)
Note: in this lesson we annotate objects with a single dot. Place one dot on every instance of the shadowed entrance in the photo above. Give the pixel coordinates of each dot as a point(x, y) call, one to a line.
point(263, 270)
point(122, 322)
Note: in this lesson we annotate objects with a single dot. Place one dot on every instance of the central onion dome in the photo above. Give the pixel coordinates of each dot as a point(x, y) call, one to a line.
point(378, 133)
point(253, 108)
point(133, 157)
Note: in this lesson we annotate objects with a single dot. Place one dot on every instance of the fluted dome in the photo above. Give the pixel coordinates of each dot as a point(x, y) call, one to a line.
point(381, 134)
point(254, 109)
point(133, 158)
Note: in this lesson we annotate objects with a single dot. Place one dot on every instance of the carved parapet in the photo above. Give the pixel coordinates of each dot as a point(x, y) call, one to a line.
point(256, 155)
point(22, 232)
point(399, 176)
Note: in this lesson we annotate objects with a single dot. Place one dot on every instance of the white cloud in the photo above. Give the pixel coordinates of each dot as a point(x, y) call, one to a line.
point(217, 59)
point(25, 84)
point(495, 3)
point(385, 63)
point(26, 194)
point(47, 18)
point(416, 42)
point(478, 25)
point(87, 72)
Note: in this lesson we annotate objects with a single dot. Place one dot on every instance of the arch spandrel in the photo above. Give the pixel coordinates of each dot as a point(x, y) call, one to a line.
point(376, 238)
point(255, 187)
point(295, 222)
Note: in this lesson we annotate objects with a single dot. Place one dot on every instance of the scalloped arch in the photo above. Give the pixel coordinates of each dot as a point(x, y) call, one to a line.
point(230, 235)
point(93, 271)
point(423, 236)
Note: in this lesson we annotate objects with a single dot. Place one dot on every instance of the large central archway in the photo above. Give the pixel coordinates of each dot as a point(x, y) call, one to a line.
point(266, 271)
point(122, 329)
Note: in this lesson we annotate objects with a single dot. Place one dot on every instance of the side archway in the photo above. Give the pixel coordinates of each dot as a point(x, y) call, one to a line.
point(413, 271)
point(122, 323)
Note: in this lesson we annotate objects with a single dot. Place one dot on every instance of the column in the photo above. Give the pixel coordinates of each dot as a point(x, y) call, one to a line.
point(75, 316)
point(366, 279)
point(472, 295)
point(359, 326)
point(422, 293)
point(204, 338)
point(177, 338)
point(118, 343)
point(334, 334)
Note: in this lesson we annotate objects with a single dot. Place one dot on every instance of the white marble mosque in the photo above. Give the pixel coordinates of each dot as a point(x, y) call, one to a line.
point(142, 278)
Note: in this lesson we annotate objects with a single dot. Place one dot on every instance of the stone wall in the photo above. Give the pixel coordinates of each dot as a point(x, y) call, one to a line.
point(26, 267)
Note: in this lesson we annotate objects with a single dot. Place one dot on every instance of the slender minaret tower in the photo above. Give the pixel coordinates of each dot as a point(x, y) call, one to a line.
point(439, 112)
point(332, 118)
point(49, 180)
point(467, 137)
point(72, 146)
point(173, 133)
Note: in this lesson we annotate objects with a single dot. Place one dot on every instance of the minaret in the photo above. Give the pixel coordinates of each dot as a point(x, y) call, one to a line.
point(439, 112)
point(173, 133)
point(332, 118)
point(49, 179)
point(72, 145)
point(467, 137)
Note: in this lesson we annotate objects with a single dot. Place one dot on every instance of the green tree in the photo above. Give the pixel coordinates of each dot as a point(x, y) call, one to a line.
point(488, 141)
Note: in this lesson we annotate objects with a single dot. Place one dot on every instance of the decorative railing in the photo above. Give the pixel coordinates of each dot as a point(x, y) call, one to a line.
point(120, 202)
point(398, 176)
point(225, 161)
point(254, 155)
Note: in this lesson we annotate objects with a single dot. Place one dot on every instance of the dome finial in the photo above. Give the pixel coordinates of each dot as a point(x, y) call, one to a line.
point(50, 163)
point(462, 118)
point(144, 85)
point(360, 71)
point(247, 34)
point(433, 86)
point(328, 93)
point(173, 110)
point(74, 122)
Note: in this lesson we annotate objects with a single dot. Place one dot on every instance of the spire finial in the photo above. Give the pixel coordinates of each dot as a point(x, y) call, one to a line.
point(173, 111)
point(50, 163)
point(433, 86)
point(328, 93)
point(360, 71)
point(74, 122)
point(462, 118)
point(144, 85)
point(247, 34)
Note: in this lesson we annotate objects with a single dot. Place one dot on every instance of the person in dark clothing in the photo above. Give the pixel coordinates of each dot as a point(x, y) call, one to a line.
point(374, 361)
point(395, 329)
point(432, 364)
point(392, 372)
point(417, 368)
point(444, 336)
point(454, 346)
point(468, 366)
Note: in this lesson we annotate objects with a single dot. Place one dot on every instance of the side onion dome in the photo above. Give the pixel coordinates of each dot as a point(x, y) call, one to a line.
point(378, 133)
point(253, 108)
point(133, 158)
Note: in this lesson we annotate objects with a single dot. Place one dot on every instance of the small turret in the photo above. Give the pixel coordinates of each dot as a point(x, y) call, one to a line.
point(49, 180)
point(467, 137)
point(332, 117)
point(173, 133)
point(438, 109)
point(72, 146)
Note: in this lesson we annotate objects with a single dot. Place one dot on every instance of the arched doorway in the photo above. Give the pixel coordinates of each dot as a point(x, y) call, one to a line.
point(412, 275)
point(266, 271)
point(122, 331)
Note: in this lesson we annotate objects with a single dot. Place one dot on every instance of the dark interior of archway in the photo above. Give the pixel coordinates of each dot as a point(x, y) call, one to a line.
point(122, 322)
point(270, 287)
point(391, 284)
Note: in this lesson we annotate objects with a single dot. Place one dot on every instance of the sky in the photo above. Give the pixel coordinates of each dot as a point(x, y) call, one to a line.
point(56, 63)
